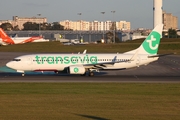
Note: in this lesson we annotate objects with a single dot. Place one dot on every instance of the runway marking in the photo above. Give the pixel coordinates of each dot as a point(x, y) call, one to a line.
point(136, 77)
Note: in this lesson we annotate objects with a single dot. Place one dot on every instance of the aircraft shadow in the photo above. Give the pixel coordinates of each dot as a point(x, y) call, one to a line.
point(92, 117)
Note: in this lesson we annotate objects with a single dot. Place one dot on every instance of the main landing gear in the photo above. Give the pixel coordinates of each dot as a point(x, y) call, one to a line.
point(23, 74)
point(90, 73)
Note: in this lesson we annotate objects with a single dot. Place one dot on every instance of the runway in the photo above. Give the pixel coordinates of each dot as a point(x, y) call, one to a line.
point(165, 70)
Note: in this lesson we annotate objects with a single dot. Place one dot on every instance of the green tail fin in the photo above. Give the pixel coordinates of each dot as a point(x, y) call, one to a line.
point(151, 43)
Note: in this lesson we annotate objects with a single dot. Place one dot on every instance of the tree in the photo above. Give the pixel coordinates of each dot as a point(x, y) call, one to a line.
point(57, 26)
point(113, 27)
point(110, 38)
point(6, 26)
point(30, 26)
point(172, 33)
point(16, 28)
point(43, 26)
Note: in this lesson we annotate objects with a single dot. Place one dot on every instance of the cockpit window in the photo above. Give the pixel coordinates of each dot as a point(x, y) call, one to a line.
point(16, 60)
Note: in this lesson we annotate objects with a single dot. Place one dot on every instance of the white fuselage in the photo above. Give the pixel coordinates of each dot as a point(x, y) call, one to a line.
point(21, 40)
point(58, 62)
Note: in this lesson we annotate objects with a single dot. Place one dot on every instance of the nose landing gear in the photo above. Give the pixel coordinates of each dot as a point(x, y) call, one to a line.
point(23, 74)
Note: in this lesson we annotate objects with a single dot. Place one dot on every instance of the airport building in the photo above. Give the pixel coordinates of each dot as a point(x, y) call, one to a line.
point(170, 21)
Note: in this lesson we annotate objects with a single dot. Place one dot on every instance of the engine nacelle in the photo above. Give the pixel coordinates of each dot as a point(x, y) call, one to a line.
point(76, 69)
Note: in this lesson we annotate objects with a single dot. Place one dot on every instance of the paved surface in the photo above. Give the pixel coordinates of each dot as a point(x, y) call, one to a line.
point(165, 70)
point(95, 79)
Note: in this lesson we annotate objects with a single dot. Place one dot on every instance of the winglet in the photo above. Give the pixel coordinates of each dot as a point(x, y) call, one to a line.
point(84, 52)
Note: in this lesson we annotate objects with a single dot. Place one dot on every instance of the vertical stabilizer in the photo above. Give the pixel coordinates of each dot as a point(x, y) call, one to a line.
point(151, 44)
point(5, 38)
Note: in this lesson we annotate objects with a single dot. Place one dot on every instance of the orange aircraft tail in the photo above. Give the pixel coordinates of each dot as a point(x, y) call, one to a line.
point(5, 38)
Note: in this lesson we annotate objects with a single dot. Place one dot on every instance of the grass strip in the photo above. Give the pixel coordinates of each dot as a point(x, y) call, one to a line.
point(101, 101)
point(166, 46)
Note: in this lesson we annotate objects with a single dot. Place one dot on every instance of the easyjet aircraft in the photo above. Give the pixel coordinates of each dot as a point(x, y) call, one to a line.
point(6, 40)
point(90, 63)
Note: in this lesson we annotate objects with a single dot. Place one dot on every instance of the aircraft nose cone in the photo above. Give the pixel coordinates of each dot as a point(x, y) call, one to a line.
point(10, 64)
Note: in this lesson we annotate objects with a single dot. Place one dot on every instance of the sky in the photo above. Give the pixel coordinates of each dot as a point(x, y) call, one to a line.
point(138, 12)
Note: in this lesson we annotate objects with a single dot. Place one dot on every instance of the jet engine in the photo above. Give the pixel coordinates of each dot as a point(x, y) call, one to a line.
point(76, 69)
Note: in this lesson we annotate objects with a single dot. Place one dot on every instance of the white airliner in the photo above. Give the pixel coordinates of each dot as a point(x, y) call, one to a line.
point(90, 63)
point(6, 40)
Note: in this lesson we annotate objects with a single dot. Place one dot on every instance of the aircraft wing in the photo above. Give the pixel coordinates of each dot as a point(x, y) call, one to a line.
point(105, 64)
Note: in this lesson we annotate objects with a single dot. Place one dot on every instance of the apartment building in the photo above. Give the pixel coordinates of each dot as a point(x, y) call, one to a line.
point(95, 25)
point(75, 25)
point(169, 21)
point(123, 25)
point(72, 25)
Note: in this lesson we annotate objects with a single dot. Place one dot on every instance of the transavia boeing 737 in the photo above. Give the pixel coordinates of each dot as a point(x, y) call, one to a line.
point(6, 40)
point(90, 63)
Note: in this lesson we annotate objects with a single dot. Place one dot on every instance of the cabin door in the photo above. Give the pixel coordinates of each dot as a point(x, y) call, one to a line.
point(138, 61)
point(29, 62)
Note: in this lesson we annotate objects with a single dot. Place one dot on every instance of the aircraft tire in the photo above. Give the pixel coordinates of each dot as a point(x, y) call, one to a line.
point(91, 73)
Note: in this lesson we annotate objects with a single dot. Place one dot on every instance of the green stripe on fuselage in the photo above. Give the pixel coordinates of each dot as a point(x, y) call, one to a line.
point(66, 59)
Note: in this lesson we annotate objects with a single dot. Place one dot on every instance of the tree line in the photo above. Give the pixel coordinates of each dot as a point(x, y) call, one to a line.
point(171, 33)
point(33, 26)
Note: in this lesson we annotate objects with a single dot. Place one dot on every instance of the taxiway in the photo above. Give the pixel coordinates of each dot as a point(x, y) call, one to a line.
point(165, 70)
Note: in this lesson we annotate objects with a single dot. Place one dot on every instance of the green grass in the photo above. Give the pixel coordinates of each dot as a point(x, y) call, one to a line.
point(166, 46)
point(89, 101)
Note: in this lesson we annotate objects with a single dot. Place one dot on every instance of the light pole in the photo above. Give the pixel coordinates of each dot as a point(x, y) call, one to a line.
point(103, 25)
point(80, 26)
point(114, 26)
point(39, 23)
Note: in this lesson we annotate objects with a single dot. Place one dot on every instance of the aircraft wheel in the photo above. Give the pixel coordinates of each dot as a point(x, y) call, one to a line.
point(23, 74)
point(91, 73)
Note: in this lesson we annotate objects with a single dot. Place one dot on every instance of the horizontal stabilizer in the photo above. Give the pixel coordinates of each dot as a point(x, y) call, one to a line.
point(160, 55)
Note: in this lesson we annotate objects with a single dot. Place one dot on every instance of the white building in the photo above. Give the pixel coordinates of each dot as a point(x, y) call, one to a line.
point(95, 25)
point(123, 25)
